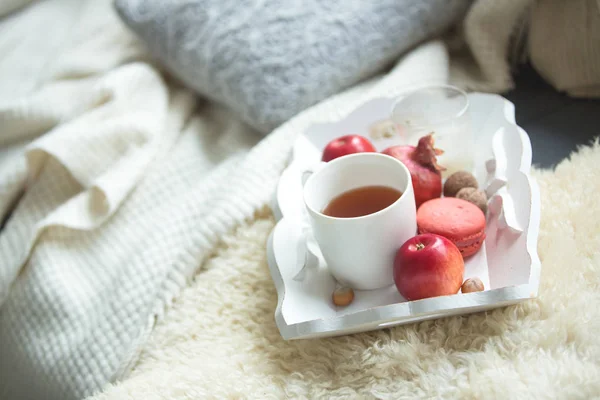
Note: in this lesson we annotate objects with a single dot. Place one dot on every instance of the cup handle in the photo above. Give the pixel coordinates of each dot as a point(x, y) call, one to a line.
point(307, 261)
point(307, 258)
point(309, 171)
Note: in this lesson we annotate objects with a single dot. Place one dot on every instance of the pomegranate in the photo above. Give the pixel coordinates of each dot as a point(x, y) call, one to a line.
point(421, 161)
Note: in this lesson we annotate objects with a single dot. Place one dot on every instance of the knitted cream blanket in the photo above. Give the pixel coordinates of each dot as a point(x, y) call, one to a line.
point(124, 187)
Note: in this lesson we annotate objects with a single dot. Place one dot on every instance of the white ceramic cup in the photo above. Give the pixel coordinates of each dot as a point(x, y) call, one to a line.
point(360, 251)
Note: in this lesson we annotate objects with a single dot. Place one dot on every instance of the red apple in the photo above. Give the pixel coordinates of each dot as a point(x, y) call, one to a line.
point(428, 265)
point(345, 145)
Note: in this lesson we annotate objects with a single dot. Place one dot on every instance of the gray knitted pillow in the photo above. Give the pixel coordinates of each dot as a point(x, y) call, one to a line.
point(270, 59)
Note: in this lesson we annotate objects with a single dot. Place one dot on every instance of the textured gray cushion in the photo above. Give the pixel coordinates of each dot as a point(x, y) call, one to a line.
point(270, 59)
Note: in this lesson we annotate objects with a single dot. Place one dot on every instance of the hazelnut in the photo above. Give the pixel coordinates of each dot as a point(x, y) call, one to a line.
point(457, 181)
point(472, 285)
point(343, 296)
point(474, 196)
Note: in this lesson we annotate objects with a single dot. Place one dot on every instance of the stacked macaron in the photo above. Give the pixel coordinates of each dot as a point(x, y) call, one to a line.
point(458, 220)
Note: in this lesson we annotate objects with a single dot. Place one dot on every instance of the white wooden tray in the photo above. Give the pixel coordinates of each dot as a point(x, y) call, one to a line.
point(508, 263)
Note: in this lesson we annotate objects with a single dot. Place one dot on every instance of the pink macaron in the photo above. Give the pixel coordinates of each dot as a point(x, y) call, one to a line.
point(461, 222)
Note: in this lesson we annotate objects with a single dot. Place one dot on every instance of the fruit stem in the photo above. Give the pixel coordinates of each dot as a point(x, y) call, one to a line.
point(420, 246)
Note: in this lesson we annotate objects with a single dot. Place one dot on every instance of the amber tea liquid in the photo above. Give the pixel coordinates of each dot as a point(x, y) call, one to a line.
point(361, 201)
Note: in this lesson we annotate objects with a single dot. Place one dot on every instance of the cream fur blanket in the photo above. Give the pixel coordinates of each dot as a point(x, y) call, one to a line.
point(220, 340)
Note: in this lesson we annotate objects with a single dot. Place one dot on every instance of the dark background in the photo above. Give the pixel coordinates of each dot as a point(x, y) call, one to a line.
point(555, 123)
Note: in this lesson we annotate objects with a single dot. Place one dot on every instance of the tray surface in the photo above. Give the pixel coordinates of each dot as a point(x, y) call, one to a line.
point(507, 264)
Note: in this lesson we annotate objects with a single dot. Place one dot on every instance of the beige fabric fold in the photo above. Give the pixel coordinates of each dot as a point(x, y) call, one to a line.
point(564, 45)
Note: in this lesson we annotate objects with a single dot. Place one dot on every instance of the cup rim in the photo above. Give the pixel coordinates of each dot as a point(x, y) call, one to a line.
point(346, 157)
point(459, 114)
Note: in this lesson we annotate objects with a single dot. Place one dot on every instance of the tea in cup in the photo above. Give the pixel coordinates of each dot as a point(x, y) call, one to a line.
point(362, 209)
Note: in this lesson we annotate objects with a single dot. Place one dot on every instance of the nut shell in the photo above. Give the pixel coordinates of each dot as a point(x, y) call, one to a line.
point(342, 296)
point(384, 129)
point(457, 181)
point(474, 196)
point(472, 285)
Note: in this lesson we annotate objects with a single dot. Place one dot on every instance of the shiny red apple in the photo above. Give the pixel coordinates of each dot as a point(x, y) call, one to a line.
point(345, 145)
point(428, 265)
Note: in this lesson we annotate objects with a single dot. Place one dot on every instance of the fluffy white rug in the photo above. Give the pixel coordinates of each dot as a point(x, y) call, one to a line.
point(220, 340)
